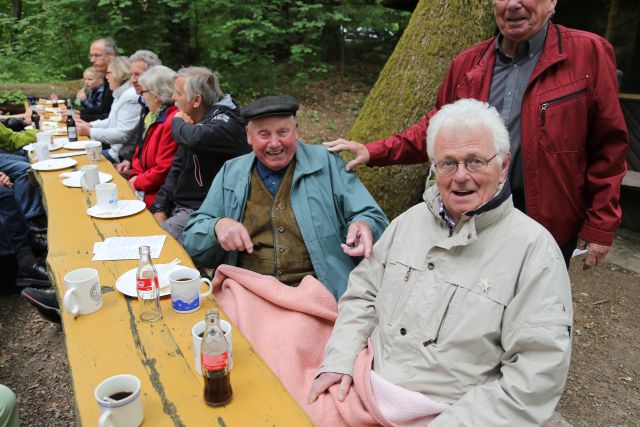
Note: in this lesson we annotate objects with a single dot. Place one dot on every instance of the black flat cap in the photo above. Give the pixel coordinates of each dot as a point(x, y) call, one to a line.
point(284, 105)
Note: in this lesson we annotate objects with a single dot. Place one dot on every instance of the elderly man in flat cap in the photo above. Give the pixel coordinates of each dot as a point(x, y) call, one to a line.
point(287, 209)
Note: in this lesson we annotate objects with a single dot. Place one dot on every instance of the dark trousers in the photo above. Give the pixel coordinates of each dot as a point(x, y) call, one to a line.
point(566, 248)
point(14, 232)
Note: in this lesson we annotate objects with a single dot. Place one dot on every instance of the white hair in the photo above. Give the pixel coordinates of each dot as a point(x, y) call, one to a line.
point(468, 114)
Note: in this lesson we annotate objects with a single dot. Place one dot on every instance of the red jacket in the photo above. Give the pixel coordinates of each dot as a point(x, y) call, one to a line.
point(574, 138)
point(153, 163)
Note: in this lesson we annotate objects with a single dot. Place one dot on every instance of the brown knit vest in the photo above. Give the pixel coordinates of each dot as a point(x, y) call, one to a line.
point(278, 246)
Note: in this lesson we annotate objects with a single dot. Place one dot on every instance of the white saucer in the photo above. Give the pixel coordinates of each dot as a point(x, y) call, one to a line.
point(125, 208)
point(127, 282)
point(53, 164)
point(76, 145)
point(73, 178)
point(55, 145)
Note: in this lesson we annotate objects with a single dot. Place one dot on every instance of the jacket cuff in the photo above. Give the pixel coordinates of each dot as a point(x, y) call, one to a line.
point(594, 235)
point(376, 151)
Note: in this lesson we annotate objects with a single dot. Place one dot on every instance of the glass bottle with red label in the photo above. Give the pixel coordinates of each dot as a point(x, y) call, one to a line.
point(148, 288)
point(214, 359)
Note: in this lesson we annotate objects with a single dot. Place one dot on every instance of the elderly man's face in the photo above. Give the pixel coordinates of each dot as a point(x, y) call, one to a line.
point(519, 20)
point(465, 191)
point(98, 57)
point(137, 68)
point(184, 104)
point(273, 140)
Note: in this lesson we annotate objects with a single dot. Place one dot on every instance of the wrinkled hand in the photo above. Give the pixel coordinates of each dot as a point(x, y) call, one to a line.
point(184, 116)
point(355, 148)
point(124, 168)
point(233, 236)
point(83, 128)
point(131, 181)
point(359, 240)
point(160, 217)
point(326, 380)
point(595, 253)
point(5, 181)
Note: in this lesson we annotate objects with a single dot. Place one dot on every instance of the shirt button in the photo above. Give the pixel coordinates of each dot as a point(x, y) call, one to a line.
point(403, 331)
point(509, 93)
point(431, 266)
point(281, 229)
point(282, 250)
point(469, 236)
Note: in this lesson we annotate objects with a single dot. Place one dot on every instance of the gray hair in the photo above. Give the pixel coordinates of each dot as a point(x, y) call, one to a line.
point(159, 81)
point(468, 114)
point(146, 56)
point(120, 68)
point(109, 44)
point(201, 81)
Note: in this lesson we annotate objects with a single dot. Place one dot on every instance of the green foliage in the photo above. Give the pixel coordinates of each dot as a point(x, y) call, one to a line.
point(257, 46)
point(12, 97)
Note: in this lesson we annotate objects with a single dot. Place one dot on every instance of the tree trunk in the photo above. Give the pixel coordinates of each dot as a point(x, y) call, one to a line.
point(17, 9)
point(407, 87)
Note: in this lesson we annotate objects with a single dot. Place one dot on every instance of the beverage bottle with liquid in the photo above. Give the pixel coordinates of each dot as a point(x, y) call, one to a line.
point(148, 288)
point(72, 133)
point(214, 359)
point(54, 100)
point(35, 119)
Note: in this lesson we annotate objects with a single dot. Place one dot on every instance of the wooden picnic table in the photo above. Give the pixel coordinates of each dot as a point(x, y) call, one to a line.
point(113, 341)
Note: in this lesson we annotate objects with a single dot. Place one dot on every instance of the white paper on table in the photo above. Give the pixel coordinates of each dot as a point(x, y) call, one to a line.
point(118, 248)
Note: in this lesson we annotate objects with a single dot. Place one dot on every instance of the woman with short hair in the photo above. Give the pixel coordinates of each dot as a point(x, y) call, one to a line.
point(152, 160)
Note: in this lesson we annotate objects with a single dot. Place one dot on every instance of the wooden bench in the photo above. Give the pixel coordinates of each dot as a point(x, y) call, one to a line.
point(113, 341)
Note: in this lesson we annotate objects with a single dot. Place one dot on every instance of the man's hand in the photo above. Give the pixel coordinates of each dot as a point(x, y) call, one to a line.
point(233, 236)
point(359, 240)
point(326, 380)
point(355, 148)
point(124, 168)
point(5, 181)
point(160, 217)
point(83, 128)
point(184, 116)
point(595, 253)
point(131, 181)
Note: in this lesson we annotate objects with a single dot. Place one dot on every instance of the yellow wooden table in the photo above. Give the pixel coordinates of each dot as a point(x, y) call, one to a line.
point(113, 341)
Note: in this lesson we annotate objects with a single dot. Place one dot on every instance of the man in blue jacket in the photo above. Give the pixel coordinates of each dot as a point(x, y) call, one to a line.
point(287, 209)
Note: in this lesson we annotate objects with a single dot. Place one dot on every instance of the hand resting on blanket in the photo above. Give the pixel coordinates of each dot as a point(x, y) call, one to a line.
point(326, 380)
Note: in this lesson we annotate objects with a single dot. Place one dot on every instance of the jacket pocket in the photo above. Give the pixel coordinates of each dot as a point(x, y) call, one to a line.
point(399, 282)
point(563, 118)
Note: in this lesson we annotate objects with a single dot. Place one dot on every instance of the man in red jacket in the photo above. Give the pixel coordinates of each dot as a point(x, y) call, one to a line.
point(555, 88)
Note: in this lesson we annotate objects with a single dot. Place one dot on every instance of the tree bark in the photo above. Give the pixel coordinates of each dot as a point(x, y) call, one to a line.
point(408, 85)
point(17, 9)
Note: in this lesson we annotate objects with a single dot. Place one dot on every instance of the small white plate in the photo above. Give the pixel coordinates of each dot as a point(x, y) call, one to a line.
point(127, 282)
point(76, 145)
point(55, 145)
point(125, 208)
point(53, 164)
point(73, 178)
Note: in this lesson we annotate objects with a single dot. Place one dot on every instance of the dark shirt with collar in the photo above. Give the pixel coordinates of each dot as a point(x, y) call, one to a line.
point(270, 178)
point(508, 83)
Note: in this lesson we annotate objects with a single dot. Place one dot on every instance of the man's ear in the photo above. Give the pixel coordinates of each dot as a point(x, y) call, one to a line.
point(504, 169)
point(246, 128)
point(197, 101)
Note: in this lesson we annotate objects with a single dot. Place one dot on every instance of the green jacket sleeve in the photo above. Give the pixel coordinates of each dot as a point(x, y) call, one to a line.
point(12, 141)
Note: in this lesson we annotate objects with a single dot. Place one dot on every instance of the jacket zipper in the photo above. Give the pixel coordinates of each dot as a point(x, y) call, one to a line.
point(545, 105)
point(444, 316)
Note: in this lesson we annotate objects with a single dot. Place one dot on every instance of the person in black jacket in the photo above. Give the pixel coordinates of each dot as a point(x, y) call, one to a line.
point(209, 130)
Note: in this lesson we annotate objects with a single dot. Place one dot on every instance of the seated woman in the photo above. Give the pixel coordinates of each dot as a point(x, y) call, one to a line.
point(117, 129)
point(90, 96)
point(152, 160)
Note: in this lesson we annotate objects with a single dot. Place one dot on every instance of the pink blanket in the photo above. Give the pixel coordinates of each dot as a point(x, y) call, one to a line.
point(289, 327)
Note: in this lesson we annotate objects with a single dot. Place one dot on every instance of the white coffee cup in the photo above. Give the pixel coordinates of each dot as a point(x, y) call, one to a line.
point(185, 286)
point(106, 197)
point(94, 150)
point(41, 150)
point(83, 294)
point(116, 409)
point(44, 137)
point(89, 177)
point(196, 340)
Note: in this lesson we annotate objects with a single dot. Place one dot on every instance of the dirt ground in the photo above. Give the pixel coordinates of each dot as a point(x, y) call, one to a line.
point(604, 383)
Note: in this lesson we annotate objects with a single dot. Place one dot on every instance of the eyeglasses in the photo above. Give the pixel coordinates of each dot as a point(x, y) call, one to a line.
point(472, 164)
point(95, 55)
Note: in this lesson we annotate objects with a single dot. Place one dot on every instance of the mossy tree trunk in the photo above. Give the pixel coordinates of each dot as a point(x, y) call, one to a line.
point(408, 85)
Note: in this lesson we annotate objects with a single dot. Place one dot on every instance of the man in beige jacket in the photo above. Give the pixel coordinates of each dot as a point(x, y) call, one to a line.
point(465, 299)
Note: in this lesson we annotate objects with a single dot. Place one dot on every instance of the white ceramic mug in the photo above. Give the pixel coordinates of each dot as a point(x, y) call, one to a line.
point(185, 286)
point(83, 295)
point(119, 400)
point(94, 150)
point(107, 197)
point(196, 339)
point(89, 177)
point(41, 150)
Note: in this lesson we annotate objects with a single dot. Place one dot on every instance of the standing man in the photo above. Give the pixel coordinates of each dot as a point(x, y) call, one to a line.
point(555, 88)
point(101, 52)
point(209, 130)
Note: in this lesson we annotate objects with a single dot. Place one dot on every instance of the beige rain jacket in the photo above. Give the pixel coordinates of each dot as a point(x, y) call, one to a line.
point(478, 316)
